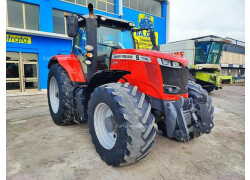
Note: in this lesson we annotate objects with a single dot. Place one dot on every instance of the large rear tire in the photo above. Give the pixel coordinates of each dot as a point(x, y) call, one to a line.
point(121, 123)
point(60, 95)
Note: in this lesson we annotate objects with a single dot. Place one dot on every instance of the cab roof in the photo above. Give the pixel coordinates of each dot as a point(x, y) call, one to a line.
point(109, 21)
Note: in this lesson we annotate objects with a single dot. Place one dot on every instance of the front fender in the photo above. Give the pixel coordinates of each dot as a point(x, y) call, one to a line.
point(72, 66)
point(100, 78)
point(104, 77)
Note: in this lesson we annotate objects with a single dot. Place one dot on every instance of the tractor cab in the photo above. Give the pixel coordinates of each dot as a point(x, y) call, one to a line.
point(97, 36)
point(111, 34)
point(208, 52)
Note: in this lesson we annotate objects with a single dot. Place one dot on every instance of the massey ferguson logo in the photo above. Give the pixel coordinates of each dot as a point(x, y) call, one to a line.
point(123, 56)
point(131, 57)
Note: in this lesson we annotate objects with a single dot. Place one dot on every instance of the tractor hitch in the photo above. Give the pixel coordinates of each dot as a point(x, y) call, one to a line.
point(183, 118)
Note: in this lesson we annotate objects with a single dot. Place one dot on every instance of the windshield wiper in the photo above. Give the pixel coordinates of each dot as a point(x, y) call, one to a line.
point(115, 47)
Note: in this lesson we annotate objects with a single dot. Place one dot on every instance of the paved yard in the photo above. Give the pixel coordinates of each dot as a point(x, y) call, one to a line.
point(38, 149)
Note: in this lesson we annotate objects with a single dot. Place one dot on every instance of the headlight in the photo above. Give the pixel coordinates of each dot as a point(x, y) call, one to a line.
point(88, 62)
point(88, 48)
point(132, 24)
point(103, 18)
point(169, 63)
point(176, 64)
point(166, 62)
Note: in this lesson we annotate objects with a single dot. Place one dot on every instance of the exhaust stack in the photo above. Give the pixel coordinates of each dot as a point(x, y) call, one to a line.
point(91, 33)
point(91, 11)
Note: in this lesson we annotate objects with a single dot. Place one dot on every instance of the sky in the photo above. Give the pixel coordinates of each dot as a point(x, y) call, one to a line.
point(194, 18)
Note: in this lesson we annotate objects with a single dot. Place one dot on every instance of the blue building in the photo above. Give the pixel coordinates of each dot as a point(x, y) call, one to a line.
point(36, 30)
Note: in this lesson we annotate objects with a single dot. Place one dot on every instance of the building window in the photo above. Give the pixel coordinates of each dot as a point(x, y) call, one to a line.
point(103, 5)
point(153, 7)
point(22, 15)
point(59, 21)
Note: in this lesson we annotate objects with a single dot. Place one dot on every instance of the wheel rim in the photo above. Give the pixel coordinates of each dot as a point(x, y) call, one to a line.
point(54, 94)
point(103, 120)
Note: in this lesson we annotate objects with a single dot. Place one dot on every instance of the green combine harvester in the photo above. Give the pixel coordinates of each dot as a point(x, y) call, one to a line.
point(204, 55)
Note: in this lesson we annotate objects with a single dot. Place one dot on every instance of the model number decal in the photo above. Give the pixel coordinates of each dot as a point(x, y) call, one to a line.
point(131, 57)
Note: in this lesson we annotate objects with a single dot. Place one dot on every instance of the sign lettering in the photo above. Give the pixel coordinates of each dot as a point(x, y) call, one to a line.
point(18, 39)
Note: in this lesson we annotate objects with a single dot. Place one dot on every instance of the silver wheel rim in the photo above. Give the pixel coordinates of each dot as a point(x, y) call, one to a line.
point(106, 137)
point(54, 94)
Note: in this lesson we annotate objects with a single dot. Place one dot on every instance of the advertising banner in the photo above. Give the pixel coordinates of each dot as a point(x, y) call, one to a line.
point(142, 38)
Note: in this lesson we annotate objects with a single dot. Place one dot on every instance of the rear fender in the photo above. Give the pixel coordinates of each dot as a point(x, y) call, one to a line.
point(71, 64)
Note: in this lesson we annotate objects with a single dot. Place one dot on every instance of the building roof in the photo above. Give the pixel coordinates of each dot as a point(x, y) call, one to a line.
point(216, 38)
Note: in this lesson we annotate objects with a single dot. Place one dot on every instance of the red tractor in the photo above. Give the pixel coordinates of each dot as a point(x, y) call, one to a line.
point(123, 91)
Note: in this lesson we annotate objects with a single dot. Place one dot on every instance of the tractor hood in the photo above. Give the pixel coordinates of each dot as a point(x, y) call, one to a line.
point(151, 53)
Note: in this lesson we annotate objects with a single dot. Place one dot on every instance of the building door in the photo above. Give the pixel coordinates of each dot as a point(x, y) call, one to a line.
point(21, 71)
point(29, 71)
point(13, 71)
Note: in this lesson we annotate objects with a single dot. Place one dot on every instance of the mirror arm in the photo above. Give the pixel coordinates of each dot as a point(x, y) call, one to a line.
point(80, 16)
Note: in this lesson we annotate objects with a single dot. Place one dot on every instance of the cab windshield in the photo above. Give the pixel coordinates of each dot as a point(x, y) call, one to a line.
point(108, 39)
point(114, 37)
point(208, 52)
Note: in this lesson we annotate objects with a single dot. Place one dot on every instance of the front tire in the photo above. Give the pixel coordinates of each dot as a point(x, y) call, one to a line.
point(127, 118)
point(193, 89)
point(60, 95)
point(209, 89)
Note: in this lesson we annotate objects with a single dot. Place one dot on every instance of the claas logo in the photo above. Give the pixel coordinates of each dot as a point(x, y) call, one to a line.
point(180, 53)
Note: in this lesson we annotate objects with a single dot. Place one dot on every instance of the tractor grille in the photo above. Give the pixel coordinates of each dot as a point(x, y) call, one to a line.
point(175, 77)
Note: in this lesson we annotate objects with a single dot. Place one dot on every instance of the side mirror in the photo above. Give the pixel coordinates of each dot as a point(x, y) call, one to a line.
point(72, 26)
point(153, 38)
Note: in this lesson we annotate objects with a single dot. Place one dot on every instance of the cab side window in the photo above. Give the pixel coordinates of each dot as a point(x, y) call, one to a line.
point(80, 42)
point(79, 50)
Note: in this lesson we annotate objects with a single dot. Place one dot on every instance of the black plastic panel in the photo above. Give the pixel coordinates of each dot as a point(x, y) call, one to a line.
point(175, 77)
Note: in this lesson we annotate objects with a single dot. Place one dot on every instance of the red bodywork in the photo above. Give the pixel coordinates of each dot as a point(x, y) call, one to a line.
point(72, 65)
point(146, 75)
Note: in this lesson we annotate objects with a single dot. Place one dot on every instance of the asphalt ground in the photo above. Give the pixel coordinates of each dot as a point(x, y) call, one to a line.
point(38, 149)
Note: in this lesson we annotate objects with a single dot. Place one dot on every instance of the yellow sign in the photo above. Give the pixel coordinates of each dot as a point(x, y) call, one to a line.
point(142, 38)
point(18, 39)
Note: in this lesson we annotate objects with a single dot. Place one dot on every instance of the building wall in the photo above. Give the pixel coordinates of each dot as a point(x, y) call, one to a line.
point(233, 54)
point(46, 14)
point(233, 61)
point(232, 58)
point(46, 47)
